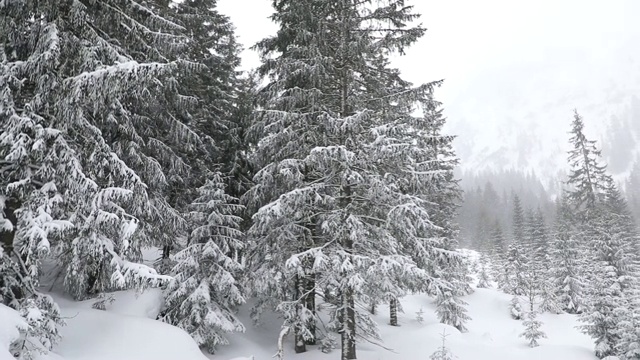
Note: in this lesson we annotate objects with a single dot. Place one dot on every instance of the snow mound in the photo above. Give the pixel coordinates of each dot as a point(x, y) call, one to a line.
point(10, 324)
point(127, 330)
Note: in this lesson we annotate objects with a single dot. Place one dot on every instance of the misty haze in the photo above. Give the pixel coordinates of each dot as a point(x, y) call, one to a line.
point(319, 179)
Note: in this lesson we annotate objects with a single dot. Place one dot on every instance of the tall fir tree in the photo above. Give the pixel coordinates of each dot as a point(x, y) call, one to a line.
point(603, 220)
point(202, 297)
point(332, 191)
point(519, 220)
point(588, 177)
point(98, 138)
point(566, 259)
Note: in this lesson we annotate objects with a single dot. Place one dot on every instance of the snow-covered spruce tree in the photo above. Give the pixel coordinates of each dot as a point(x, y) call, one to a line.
point(498, 241)
point(430, 177)
point(518, 220)
point(443, 352)
point(540, 259)
point(204, 292)
point(532, 325)
point(565, 260)
point(484, 277)
point(600, 210)
point(329, 201)
point(516, 268)
point(217, 95)
point(287, 127)
point(515, 308)
point(532, 330)
point(614, 281)
point(588, 178)
point(105, 99)
point(37, 167)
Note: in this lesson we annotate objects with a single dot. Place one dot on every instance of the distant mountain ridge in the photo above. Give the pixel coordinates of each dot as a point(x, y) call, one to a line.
point(510, 132)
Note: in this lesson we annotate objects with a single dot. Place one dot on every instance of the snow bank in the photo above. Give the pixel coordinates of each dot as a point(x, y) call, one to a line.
point(127, 330)
point(10, 322)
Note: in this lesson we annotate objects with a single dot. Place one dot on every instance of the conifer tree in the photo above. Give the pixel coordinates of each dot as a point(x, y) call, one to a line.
point(532, 325)
point(603, 219)
point(443, 352)
point(516, 267)
point(498, 242)
point(484, 279)
point(515, 308)
point(202, 297)
point(94, 139)
point(519, 220)
point(532, 329)
point(565, 255)
point(332, 191)
point(588, 176)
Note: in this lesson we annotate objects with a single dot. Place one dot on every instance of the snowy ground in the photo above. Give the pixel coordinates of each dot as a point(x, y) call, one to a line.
point(127, 331)
point(492, 335)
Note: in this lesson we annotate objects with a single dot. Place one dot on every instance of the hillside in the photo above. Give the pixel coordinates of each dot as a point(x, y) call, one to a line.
point(127, 331)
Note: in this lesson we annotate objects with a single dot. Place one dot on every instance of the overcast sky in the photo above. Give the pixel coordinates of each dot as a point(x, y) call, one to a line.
point(510, 66)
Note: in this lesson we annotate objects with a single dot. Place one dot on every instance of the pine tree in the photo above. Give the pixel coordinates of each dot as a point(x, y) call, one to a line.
point(588, 177)
point(519, 221)
point(498, 242)
point(565, 255)
point(532, 326)
point(443, 352)
point(516, 267)
point(202, 297)
point(605, 226)
point(451, 310)
point(94, 141)
point(515, 308)
point(332, 186)
point(484, 279)
point(532, 329)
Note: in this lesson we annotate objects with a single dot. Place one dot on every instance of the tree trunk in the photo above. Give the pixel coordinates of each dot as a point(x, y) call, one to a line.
point(372, 307)
point(348, 326)
point(310, 302)
point(6, 237)
point(393, 312)
point(300, 345)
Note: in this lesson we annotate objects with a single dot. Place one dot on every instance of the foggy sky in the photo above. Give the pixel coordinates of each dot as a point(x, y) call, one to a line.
point(514, 70)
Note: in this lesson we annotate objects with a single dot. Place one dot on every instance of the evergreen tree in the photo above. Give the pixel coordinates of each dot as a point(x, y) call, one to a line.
point(532, 325)
point(332, 189)
point(498, 242)
point(604, 222)
point(515, 308)
point(532, 329)
point(588, 177)
point(204, 292)
point(519, 221)
point(484, 279)
point(565, 255)
point(614, 278)
point(516, 267)
point(97, 140)
point(443, 352)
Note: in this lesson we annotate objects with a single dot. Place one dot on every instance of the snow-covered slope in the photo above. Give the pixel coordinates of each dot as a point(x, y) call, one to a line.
point(127, 330)
point(10, 321)
point(492, 335)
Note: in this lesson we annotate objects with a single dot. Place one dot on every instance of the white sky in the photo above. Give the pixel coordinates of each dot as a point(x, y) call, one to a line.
point(509, 65)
